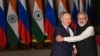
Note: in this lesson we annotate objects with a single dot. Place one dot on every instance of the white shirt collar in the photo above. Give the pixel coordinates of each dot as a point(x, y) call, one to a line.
point(70, 30)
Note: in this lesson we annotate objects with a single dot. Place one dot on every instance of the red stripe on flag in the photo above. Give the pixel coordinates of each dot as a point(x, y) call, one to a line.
point(23, 33)
point(73, 24)
point(3, 40)
point(49, 29)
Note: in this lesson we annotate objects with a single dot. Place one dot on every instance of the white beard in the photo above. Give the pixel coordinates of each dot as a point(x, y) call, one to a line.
point(81, 24)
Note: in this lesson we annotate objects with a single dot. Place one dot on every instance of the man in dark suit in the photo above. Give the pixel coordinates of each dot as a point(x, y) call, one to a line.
point(86, 45)
point(63, 48)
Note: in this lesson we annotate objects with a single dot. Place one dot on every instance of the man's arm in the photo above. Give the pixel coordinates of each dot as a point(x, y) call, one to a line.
point(85, 34)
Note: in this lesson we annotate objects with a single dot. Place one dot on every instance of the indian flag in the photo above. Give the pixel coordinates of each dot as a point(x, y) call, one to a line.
point(81, 6)
point(62, 7)
point(38, 21)
point(12, 24)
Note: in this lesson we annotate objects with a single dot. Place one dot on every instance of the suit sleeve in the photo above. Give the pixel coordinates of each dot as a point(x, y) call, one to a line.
point(57, 31)
point(85, 34)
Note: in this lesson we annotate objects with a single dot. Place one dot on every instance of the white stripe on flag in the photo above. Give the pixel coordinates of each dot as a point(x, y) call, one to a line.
point(1, 4)
point(39, 20)
point(61, 9)
point(14, 25)
point(23, 3)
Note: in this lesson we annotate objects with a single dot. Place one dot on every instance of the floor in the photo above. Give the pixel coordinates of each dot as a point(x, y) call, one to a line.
point(31, 52)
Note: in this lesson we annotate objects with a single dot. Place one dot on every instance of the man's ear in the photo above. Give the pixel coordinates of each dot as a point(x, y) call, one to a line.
point(61, 19)
point(86, 19)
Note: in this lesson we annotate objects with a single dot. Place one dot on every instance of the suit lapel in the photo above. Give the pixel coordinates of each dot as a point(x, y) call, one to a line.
point(64, 30)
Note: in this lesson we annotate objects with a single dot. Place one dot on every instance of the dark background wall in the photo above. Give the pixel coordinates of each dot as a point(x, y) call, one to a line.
point(96, 12)
point(95, 9)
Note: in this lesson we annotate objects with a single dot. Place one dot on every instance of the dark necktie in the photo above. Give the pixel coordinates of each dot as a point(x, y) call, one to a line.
point(67, 29)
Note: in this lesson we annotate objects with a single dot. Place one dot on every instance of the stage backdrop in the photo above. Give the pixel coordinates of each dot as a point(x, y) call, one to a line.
point(34, 20)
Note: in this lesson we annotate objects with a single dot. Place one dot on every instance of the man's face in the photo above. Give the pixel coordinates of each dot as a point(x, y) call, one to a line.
point(66, 19)
point(82, 19)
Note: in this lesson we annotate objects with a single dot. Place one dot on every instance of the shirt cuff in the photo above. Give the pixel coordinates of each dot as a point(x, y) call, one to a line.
point(74, 46)
point(65, 39)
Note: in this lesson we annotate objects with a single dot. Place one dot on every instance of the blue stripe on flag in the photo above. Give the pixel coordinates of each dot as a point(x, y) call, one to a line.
point(2, 20)
point(88, 11)
point(74, 13)
point(50, 14)
point(23, 15)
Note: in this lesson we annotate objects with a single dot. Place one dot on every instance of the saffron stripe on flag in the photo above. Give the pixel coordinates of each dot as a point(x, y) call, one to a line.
point(62, 7)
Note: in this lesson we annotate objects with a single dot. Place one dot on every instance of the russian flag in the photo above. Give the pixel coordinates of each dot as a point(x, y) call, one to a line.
point(3, 40)
point(74, 14)
point(50, 19)
point(88, 9)
point(24, 27)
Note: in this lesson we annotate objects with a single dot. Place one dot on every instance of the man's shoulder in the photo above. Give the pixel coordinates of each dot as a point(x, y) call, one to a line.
point(90, 27)
point(59, 26)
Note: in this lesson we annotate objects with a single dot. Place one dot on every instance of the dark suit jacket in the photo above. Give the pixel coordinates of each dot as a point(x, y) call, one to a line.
point(61, 48)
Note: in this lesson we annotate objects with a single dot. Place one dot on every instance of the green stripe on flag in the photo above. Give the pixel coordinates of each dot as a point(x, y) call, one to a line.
point(12, 38)
point(36, 31)
point(58, 21)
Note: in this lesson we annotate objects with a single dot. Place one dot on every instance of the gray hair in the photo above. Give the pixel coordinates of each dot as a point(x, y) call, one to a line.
point(83, 13)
